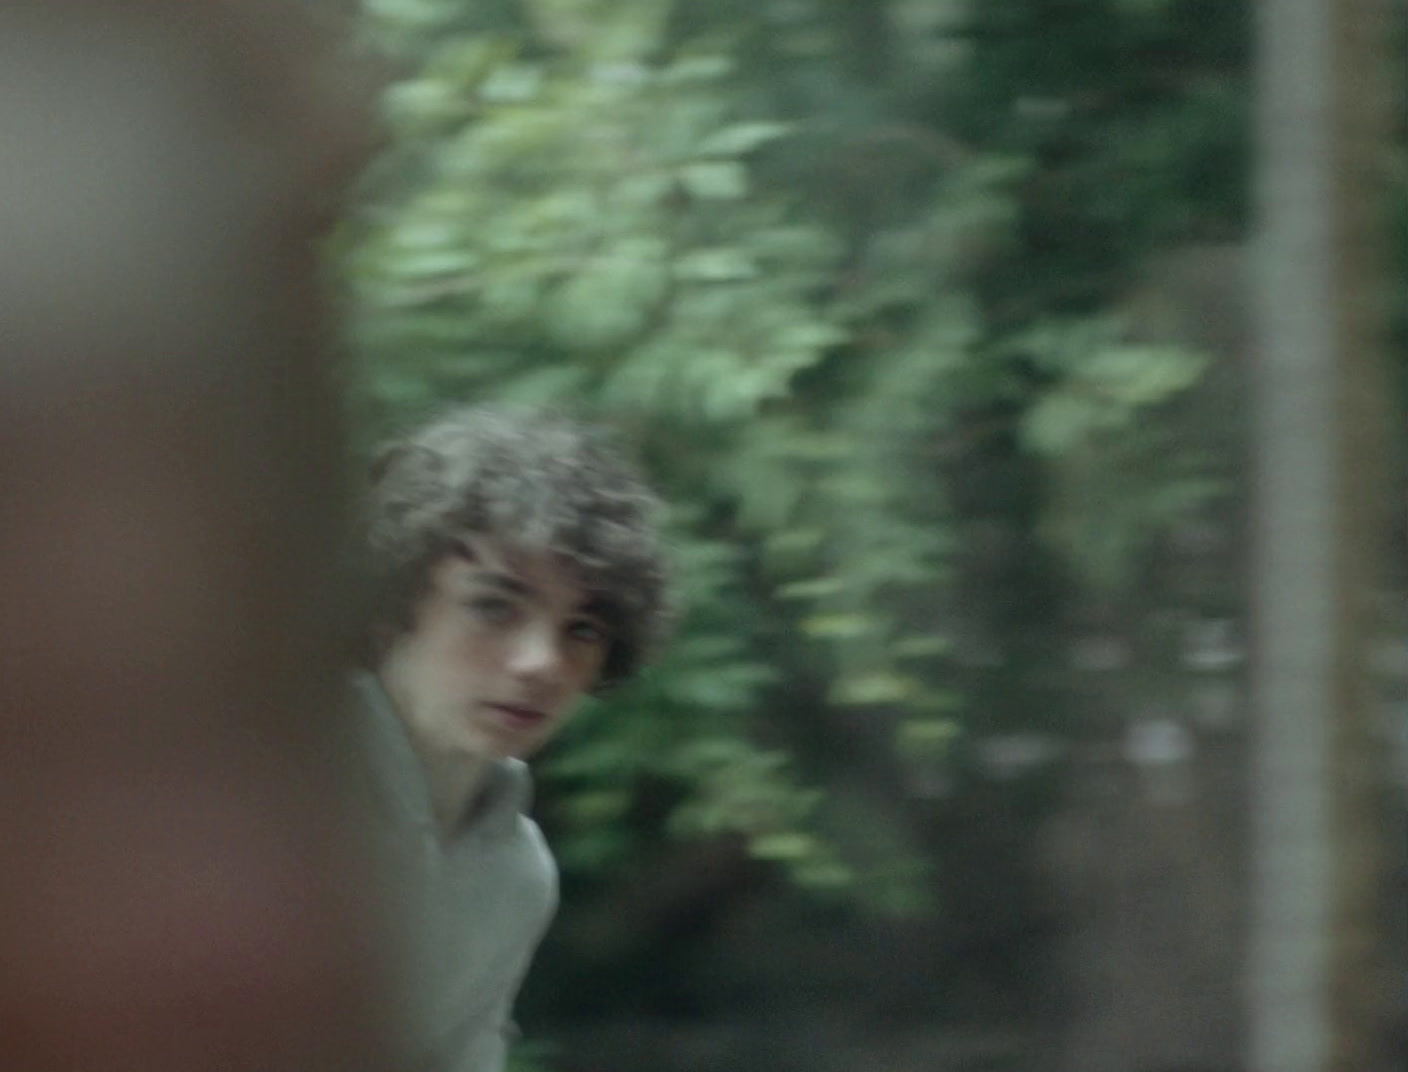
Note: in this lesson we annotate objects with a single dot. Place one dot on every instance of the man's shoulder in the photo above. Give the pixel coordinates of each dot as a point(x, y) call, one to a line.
point(509, 836)
point(509, 812)
point(388, 773)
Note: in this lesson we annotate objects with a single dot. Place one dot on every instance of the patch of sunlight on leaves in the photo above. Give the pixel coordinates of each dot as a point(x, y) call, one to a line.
point(872, 690)
point(926, 738)
point(789, 846)
point(1143, 375)
point(840, 626)
point(815, 588)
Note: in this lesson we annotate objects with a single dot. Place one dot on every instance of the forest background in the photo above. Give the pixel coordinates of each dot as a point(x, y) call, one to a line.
point(926, 317)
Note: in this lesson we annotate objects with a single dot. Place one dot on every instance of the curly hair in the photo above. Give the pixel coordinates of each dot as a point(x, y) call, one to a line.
point(534, 480)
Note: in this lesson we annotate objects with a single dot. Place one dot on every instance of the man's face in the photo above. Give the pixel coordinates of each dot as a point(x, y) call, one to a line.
point(503, 645)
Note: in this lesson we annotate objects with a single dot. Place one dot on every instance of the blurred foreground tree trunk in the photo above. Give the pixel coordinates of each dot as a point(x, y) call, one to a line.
point(183, 886)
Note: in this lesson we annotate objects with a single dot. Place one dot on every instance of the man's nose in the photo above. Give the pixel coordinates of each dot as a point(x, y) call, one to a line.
point(536, 652)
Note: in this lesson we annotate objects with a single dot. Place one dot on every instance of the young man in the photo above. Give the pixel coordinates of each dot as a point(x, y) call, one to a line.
point(516, 568)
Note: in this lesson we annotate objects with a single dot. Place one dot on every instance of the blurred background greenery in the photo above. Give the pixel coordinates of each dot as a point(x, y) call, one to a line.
point(927, 318)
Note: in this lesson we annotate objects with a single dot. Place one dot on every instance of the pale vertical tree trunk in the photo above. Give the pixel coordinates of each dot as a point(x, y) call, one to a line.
point(1319, 446)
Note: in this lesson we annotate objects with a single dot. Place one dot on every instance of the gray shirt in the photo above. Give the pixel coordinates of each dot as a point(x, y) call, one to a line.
point(466, 913)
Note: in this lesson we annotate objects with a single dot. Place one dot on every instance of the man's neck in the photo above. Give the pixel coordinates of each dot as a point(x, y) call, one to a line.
point(455, 781)
point(456, 784)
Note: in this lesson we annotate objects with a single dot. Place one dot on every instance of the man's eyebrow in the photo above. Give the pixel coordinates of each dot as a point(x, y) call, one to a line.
point(505, 582)
point(486, 575)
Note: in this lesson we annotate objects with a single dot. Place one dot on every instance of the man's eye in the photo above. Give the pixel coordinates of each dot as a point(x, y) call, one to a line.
point(587, 632)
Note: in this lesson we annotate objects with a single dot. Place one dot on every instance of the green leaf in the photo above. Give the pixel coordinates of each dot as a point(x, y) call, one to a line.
point(423, 107)
point(783, 847)
point(818, 588)
point(551, 386)
point(840, 626)
point(742, 138)
point(795, 541)
point(596, 808)
point(646, 189)
point(611, 298)
point(715, 181)
point(513, 83)
point(824, 874)
point(723, 265)
point(414, 15)
point(593, 850)
point(927, 646)
point(1144, 375)
point(601, 30)
point(926, 738)
point(814, 335)
point(1058, 423)
point(698, 69)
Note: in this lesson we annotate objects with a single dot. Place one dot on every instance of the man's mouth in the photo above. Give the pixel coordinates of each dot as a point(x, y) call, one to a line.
point(518, 716)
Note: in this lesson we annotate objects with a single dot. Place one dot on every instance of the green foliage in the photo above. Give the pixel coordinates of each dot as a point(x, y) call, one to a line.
point(532, 1056)
point(567, 233)
point(805, 256)
point(1118, 481)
